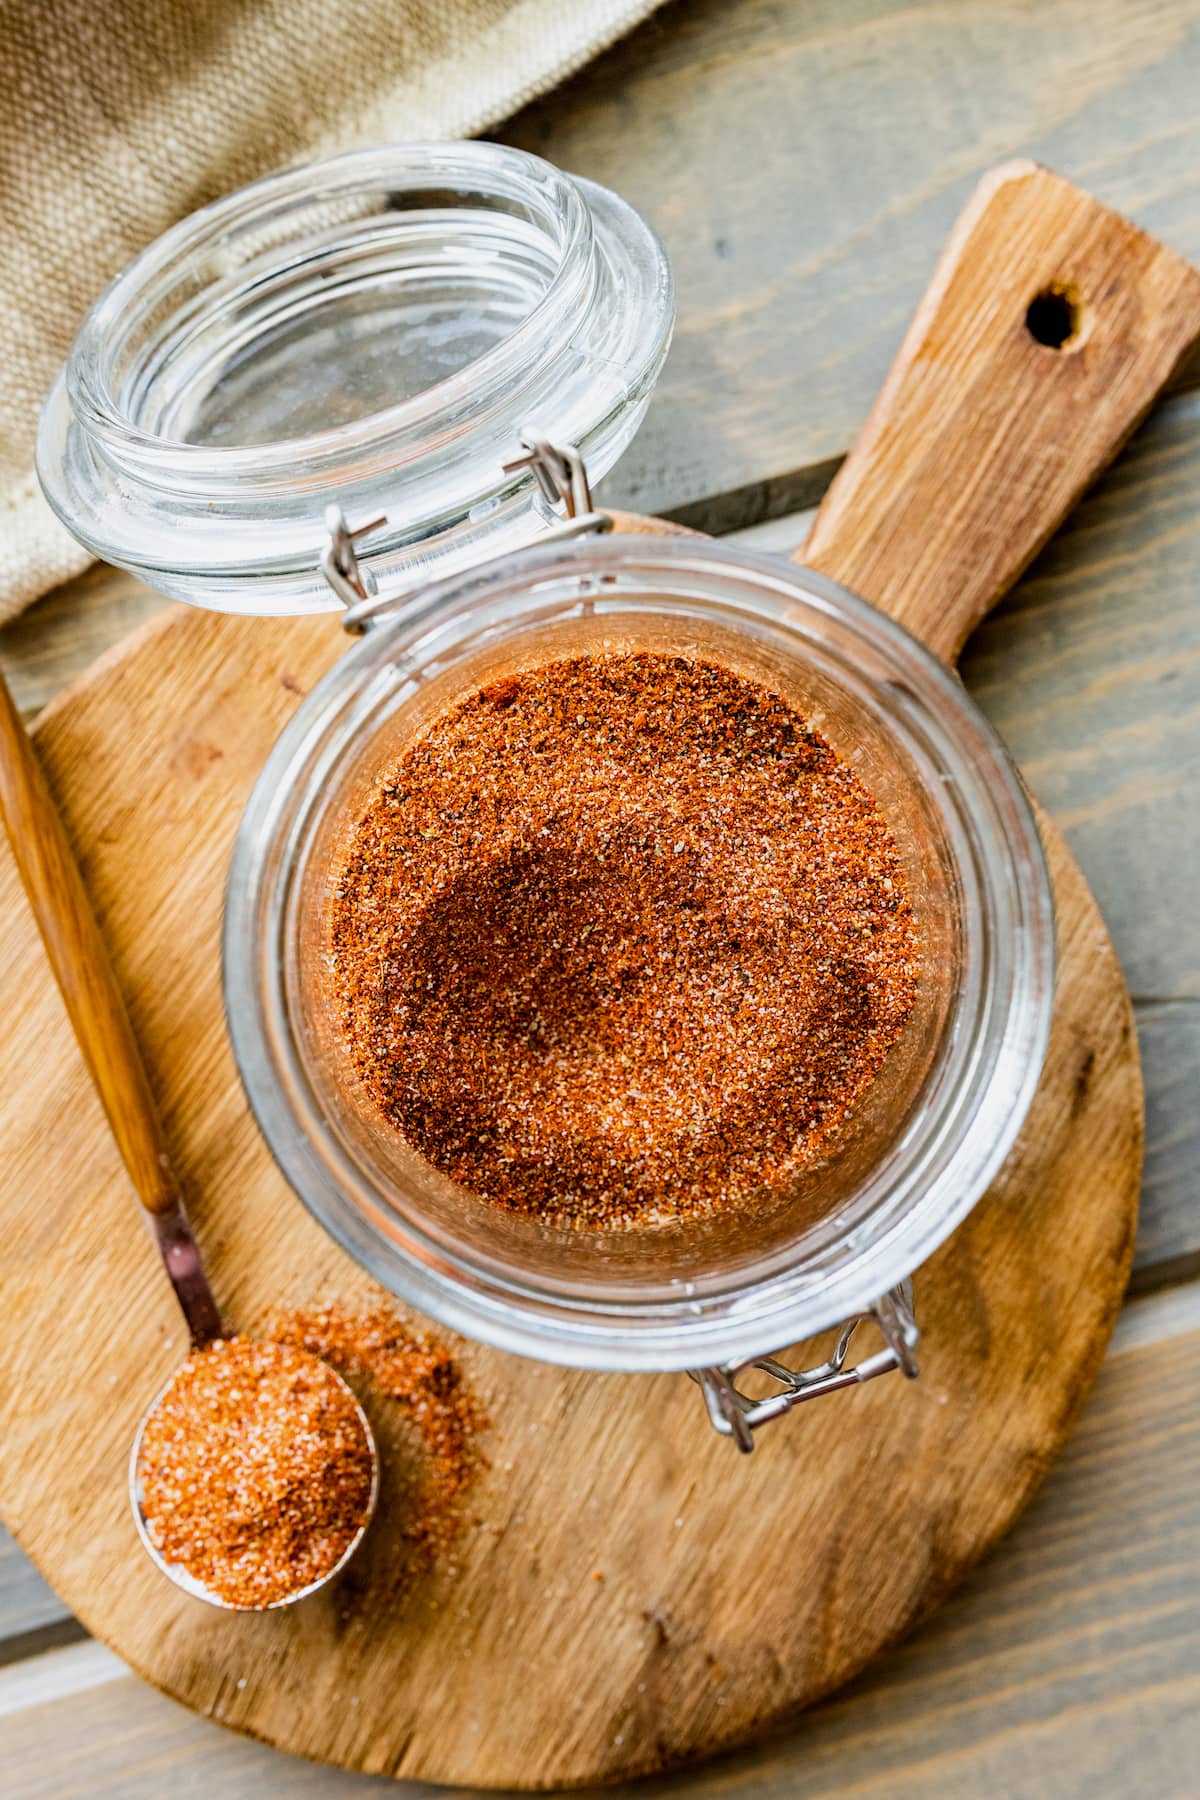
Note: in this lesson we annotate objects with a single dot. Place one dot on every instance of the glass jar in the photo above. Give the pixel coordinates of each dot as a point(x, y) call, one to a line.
point(932, 1130)
point(378, 333)
point(377, 329)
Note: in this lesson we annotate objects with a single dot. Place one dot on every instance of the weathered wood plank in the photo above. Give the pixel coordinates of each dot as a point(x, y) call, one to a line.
point(1108, 95)
point(804, 164)
point(1153, 1318)
point(46, 647)
point(1071, 1659)
point(1092, 673)
point(43, 1679)
point(31, 1613)
point(1168, 1241)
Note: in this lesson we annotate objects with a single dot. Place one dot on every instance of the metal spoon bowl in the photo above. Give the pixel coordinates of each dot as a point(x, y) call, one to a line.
point(179, 1575)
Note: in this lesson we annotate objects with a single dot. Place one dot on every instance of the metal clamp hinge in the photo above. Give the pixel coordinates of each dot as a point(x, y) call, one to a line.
point(735, 1415)
point(353, 585)
point(559, 472)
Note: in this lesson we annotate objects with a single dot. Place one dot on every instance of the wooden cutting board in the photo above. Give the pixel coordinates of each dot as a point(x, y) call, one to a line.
point(630, 1592)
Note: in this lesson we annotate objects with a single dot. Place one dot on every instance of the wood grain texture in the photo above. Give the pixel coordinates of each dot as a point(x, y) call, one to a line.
point(804, 164)
point(75, 951)
point(1068, 1666)
point(614, 1474)
point(1168, 1247)
point(1090, 671)
point(982, 437)
point(880, 117)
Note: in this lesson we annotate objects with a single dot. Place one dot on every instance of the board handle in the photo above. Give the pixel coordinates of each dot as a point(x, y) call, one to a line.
point(1049, 327)
point(76, 952)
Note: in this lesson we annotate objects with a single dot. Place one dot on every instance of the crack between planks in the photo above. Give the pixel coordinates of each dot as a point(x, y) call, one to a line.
point(54, 1636)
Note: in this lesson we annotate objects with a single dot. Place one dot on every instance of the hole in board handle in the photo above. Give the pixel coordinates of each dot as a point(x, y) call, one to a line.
point(1056, 317)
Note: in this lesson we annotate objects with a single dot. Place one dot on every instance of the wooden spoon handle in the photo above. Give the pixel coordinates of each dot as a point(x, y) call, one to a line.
point(1048, 329)
point(80, 962)
point(64, 917)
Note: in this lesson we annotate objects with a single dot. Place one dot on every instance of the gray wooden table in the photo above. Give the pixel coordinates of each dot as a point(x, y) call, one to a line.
point(804, 160)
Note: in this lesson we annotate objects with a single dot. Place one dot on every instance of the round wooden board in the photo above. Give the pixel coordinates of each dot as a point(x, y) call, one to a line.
point(733, 1590)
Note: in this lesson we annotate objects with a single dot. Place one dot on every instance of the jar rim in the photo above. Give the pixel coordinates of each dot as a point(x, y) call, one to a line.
point(562, 209)
point(508, 295)
point(947, 1160)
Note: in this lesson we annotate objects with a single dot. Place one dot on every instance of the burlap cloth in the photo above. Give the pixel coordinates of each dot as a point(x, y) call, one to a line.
point(117, 117)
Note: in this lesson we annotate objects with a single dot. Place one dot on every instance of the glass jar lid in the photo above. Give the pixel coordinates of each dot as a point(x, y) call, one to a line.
point(373, 331)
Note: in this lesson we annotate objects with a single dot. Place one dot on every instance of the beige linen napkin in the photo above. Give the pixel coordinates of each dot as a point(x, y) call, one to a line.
point(117, 117)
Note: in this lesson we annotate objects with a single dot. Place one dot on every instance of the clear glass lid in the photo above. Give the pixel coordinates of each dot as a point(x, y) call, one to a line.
point(375, 331)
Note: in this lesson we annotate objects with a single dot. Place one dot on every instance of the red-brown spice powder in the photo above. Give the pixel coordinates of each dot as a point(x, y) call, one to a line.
point(428, 1426)
point(619, 939)
point(255, 1471)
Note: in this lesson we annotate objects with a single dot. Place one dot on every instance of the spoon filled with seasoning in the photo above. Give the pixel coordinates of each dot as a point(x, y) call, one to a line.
point(254, 1472)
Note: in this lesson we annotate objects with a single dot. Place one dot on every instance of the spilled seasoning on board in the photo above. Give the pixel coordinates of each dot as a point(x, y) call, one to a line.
point(427, 1422)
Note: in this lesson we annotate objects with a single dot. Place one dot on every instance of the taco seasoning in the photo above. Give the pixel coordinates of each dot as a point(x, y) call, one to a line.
point(255, 1471)
point(428, 1423)
point(619, 939)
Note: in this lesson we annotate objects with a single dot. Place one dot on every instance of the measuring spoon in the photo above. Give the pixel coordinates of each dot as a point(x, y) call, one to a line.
point(77, 956)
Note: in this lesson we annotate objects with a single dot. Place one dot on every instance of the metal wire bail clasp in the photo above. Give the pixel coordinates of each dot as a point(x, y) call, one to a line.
point(560, 474)
point(353, 585)
point(734, 1414)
